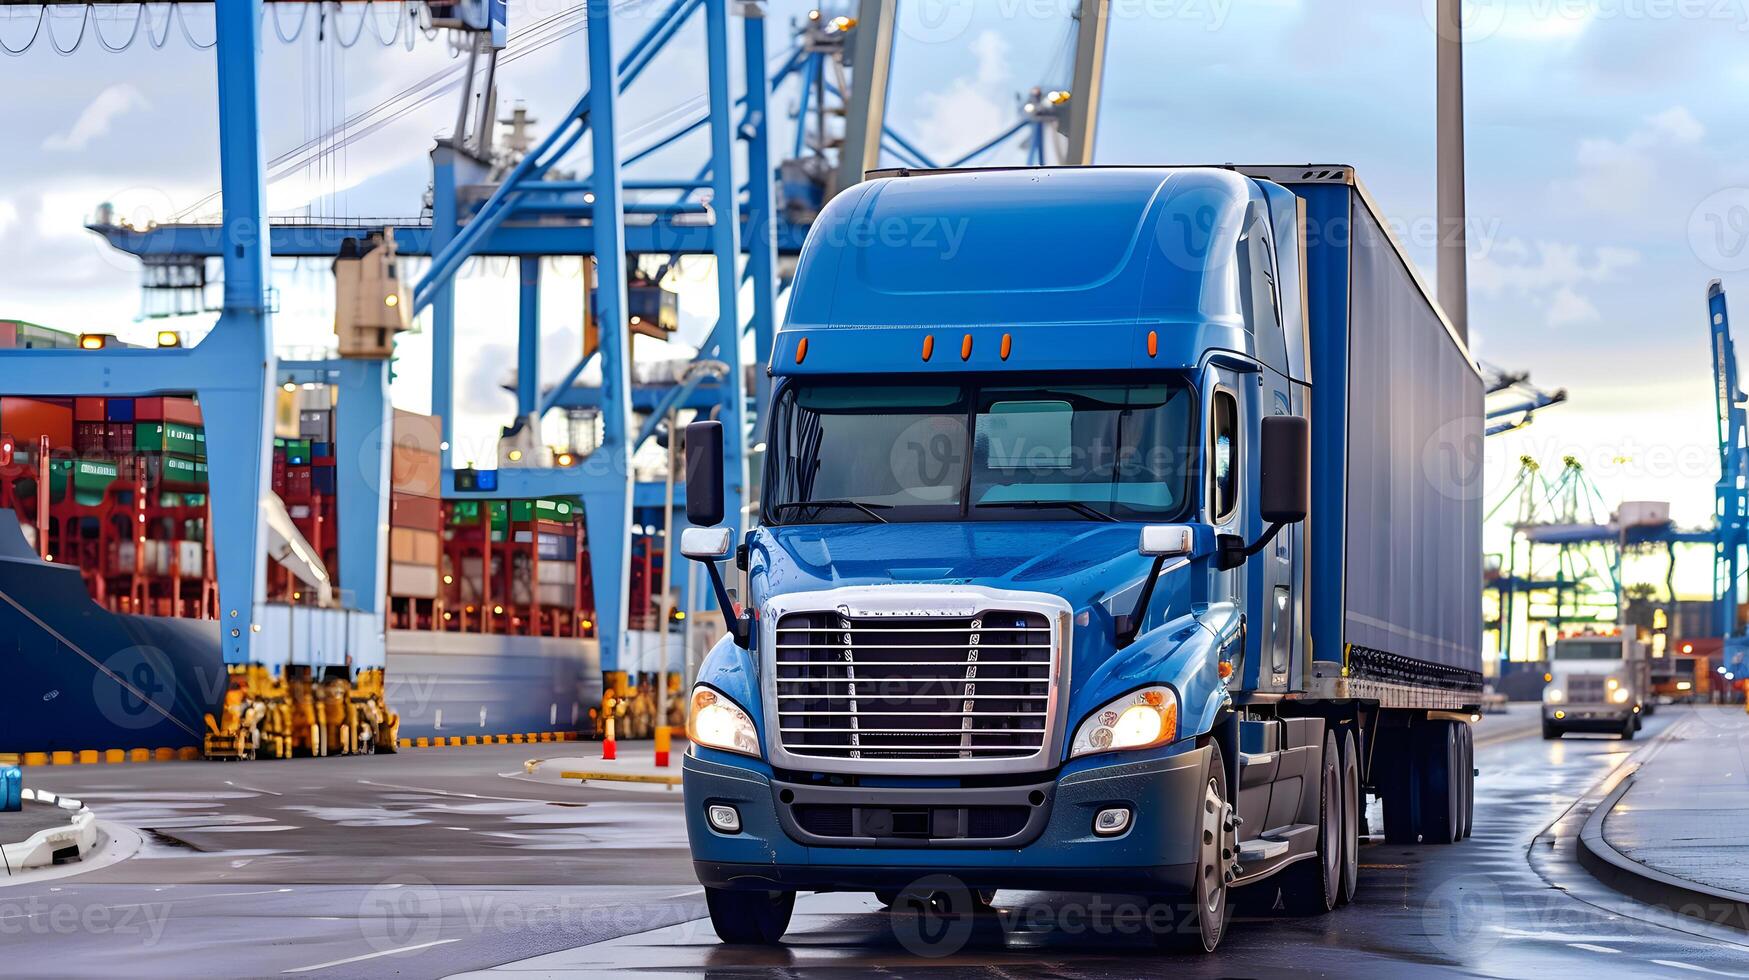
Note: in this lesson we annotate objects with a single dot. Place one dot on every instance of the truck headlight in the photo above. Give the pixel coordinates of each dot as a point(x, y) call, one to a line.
point(1620, 695)
point(1554, 696)
point(1137, 720)
point(718, 723)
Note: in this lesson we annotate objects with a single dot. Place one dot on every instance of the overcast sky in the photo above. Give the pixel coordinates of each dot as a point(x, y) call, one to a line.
point(1608, 168)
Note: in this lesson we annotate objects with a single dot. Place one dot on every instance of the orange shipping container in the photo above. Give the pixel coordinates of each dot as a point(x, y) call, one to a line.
point(412, 546)
point(416, 462)
point(422, 513)
point(27, 420)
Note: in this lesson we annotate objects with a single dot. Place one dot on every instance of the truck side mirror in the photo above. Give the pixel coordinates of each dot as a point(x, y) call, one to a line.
point(705, 541)
point(1159, 542)
point(1286, 474)
point(1284, 486)
point(704, 474)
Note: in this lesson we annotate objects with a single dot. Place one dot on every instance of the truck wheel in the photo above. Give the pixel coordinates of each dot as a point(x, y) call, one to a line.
point(1628, 729)
point(1351, 815)
point(1312, 886)
point(749, 918)
point(1393, 762)
point(1467, 779)
point(1438, 759)
point(1550, 732)
point(1202, 929)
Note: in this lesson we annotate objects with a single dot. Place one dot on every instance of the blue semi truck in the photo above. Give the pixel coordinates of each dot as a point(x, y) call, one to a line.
point(1120, 532)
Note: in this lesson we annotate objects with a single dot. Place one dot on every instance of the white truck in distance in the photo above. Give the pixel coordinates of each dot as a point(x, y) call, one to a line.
point(1596, 684)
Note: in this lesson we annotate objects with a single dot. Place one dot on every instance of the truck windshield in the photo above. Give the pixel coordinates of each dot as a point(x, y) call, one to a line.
point(1602, 648)
point(870, 453)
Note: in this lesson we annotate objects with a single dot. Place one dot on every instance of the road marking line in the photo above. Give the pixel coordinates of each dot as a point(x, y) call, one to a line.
point(1593, 948)
point(1697, 969)
point(369, 956)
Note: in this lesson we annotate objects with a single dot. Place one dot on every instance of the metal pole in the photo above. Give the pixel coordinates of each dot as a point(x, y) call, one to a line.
point(666, 608)
point(1453, 273)
point(872, 49)
point(1094, 19)
point(726, 247)
point(761, 210)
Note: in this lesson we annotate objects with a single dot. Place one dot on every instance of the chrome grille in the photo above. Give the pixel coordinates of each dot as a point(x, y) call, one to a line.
point(914, 687)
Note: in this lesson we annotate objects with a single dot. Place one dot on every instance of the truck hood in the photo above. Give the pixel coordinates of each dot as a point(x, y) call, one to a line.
point(1078, 561)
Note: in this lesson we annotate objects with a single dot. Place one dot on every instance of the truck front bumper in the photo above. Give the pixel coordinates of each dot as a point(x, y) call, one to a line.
point(1587, 717)
point(1057, 850)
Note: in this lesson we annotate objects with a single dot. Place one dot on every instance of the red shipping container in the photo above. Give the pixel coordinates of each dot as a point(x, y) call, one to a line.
point(27, 420)
point(119, 437)
point(90, 409)
point(424, 513)
point(90, 438)
point(167, 409)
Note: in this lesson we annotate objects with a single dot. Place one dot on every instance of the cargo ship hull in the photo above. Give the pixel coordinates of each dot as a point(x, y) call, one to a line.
point(75, 676)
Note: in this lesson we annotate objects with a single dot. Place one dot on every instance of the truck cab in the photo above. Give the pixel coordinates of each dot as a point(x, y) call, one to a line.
point(1029, 602)
point(1597, 683)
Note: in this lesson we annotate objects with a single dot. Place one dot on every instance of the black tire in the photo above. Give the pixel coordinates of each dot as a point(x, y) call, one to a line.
point(886, 898)
point(1550, 732)
point(1396, 782)
point(1351, 818)
point(749, 918)
point(1467, 780)
point(1312, 886)
point(1202, 929)
point(1629, 729)
point(1438, 759)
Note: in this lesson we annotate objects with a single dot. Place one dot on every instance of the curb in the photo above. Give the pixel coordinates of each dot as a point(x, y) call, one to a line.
point(453, 741)
point(1649, 885)
point(39, 849)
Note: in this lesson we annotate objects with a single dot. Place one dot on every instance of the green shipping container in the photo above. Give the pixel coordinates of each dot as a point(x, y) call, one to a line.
point(464, 512)
point(169, 437)
point(91, 479)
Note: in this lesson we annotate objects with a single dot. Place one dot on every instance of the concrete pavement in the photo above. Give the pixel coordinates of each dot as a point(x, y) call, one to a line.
point(1672, 833)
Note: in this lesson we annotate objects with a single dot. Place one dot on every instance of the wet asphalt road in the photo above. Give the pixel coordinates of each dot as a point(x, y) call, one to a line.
point(451, 862)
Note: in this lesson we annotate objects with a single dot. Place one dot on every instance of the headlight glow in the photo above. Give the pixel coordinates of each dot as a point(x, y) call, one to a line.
point(1620, 695)
point(1554, 696)
point(1138, 720)
point(719, 723)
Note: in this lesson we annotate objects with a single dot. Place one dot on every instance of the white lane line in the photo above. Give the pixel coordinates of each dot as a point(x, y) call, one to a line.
point(1697, 969)
point(252, 789)
point(369, 956)
point(1593, 948)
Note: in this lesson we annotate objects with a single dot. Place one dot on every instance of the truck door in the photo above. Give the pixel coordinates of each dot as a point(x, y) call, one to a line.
point(1231, 455)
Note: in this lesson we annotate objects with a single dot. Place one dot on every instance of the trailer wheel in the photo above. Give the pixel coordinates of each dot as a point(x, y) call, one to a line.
point(749, 918)
point(1313, 886)
point(1550, 732)
point(1467, 780)
point(1628, 729)
point(1439, 758)
point(1202, 929)
point(1351, 817)
point(1394, 764)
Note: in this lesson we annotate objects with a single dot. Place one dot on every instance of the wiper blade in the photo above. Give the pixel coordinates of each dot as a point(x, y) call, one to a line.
point(869, 509)
point(1075, 505)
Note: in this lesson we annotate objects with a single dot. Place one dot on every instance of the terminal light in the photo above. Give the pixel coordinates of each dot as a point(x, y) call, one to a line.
point(391, 300)
point(290, 386)
point(169, 338)
point(515, 455)
point(566, 459)
point(93, 341)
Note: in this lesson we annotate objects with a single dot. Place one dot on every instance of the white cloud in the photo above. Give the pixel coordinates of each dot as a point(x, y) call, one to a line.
point(1553, 277)
point(98, 117)
point(1615, 176)
point(965, 112)
point(8, 215)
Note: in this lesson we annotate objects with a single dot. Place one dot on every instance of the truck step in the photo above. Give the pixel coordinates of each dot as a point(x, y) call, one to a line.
point(1261, 849)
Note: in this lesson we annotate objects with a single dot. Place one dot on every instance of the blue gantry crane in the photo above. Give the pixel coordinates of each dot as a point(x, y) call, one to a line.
point(529, 211)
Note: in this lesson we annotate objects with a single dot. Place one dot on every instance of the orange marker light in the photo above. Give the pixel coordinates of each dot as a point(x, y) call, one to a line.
point(802, 350)
point(1153, 343)
point(928, 346)
point(966, 348)
point(1007, 345)
point(1226, 669)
